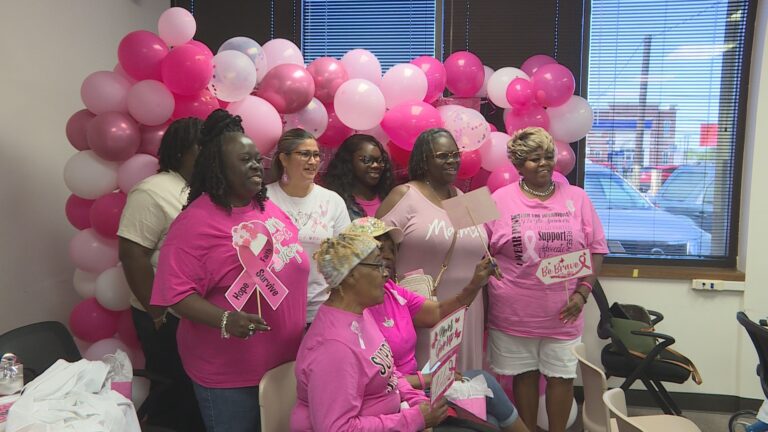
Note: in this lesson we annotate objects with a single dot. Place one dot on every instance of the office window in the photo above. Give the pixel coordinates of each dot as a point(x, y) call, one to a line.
point(667, 82)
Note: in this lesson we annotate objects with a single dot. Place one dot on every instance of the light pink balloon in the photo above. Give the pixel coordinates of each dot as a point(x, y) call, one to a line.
point(176, 26)
point(186, 70)
point(559, 178)
point(90, 322)
point(234, 76)
point(403, 123)
point(89, 176)
point(487, 73)
point(468, 127)
point(335, 133)
point(328, 74)
point(571, 121)
point(497, 85)
point(140, 53)
point(534, 62)
point(136, 169)
point(520, 93)
point(436, 76)
point(282, 51)
point(112, 289)
point(553, 85)
point(359, 104)
point(78, 211)
point(199, 105)
point(534, 116)
point(446, 110)
point(502, 176)
point(288, 87)
point(261, 121)
point(376, 132)
point(565, 158)
point(99, 349)
point(150, 102)
point(118, 69)
point(313, 118)
point(114, 136)
point(105, 91)
point(105, 214)
point(77, 127)
point(91, 252)
point(126, 330)
point(361, 63)
point(494, 151)
point(151, 137)
point(465, 73)
point(403, 82)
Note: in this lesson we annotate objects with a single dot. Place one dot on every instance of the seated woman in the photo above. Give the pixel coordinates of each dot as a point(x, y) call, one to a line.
point(346, 379)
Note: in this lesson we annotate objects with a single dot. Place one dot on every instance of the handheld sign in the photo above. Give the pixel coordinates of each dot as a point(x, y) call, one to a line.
point(564, 267)
point(446, 336)
point(471, 209)
point(443, 378)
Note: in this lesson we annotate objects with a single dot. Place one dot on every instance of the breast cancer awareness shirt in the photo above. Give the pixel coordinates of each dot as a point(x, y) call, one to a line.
point(528, 231)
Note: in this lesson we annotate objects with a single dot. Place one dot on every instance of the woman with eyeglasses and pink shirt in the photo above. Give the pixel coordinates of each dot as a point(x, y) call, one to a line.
point(317, 212)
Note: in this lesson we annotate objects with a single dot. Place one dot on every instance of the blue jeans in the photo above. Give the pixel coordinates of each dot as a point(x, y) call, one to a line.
point(499, 408)
point(229, 409)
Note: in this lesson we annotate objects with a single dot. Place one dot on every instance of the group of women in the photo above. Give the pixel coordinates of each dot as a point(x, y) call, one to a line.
point(337, 246)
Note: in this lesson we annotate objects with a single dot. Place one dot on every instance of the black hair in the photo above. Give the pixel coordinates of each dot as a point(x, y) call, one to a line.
point(417, 164)
point(208, 176)
point(287, 143)
point(340, 178)
point(180, 137)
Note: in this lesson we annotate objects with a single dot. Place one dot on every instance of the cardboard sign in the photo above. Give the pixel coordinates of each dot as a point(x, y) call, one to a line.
point(443, 378)
point(473, 208)
point(446, 336)
point(564, 267)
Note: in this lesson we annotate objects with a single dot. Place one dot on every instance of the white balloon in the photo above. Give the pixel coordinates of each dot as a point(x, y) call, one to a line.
point(103, 347)
point(89, 176)
point(85, 283)
point(498, 83)
point(281, 51)
point(252, 49)
point(542, 420)
point(402, 83)
point(570, 121)
point(313, 118)
point(176, 26)
point(483, 92)
point(234, 76)
point(112, 289)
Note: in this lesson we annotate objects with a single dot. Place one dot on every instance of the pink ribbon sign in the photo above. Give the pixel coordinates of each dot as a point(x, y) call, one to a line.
point(564, 267)
point(255, 249)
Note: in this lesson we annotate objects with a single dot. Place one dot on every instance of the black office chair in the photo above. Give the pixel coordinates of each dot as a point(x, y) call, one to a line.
point(659, 364)
point(759, 335)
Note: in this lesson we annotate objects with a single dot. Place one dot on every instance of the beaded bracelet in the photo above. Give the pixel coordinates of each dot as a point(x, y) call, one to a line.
point(224, 332)
point(582, 296)
point(586, 284)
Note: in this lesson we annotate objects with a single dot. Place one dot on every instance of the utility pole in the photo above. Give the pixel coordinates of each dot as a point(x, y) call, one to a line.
point(639, 159)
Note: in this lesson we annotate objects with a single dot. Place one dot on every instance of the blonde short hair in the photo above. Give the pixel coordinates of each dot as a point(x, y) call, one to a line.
point(527, 141)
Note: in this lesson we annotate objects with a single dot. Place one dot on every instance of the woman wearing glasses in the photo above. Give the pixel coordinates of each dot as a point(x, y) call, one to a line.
point(317, 212)
point(429, 238)
point(365, 158)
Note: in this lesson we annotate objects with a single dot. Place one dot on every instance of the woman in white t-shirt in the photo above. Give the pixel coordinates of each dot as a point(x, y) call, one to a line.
point(317, 212)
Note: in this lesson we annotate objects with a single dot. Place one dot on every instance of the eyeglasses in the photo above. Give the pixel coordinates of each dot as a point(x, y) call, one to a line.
point(447, 156)
point(382, 267)
point(305, 155)
point(368, 161)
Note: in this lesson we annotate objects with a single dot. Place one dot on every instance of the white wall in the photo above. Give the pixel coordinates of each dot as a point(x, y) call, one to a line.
point(47, 48)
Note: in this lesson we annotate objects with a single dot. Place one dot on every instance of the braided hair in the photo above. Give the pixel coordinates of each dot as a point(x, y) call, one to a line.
point(208, 176)
point(180, 137)
point(417, 164)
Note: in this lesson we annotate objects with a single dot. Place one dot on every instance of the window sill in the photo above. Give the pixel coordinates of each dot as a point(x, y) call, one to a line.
point(671, 272)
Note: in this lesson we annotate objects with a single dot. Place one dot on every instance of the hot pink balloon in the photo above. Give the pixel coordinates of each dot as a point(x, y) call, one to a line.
point(313, 119)
point(336, 131)
point(200, 105)
point(136, 169)
point(186, 70)
point(77, 127)
point(91, 322)
point(126, 331)
point(559, 178)
point(533, 116)
point(282, 51)
point(328, 74)
point(403, 123)
point(553, 85)
point(565, 158)
point(533, 63)
point(105, 91)
point(176, 26)
point(202, 47)
point(470, 164)
point(465, 73)
point(140, 54)
point(494, 151)
point(520, 93)
point(151, 137)
point(261, 121)
point(92, 252)
point(359, 104)
point(436, 76)
point(361, 63)
point(403, 82)
point(78, 211)
point(480, 179)
point(493, 127)
point(113, 136)
point(288, 87)
point(502, 176)
point(105, 214)
point(150, 102)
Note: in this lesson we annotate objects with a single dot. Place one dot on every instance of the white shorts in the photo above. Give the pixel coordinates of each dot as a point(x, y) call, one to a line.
point(514, 355)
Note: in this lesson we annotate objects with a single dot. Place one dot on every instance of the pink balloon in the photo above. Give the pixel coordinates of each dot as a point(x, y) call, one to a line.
point(313, 119)
point(494, 151)
point(553, 85)
point(336, 132)
point(559, 178)
point(78, 211)
point(261, 121)
point(202, 47)
point(533, 116)
point(99, 349)
point(77, 127)
point(288, 87)
point(91, 322)
point(436, 76)
point(105, 214)
point(140, 54)
point(402, 83)
point(502, 176)
point(499, 83)
point(480, 179)
point(113, 136)
point(565, 158)
point(186, 70)
point(446, 110)
point(533, 63)
point(151, 137)
point(359, 104)
point(328, 74)
point(403, 123)
point(126, 331)
point(136, 169)
point(282, 51)
point(199, 105)
point(150, 102)
point(465, 73)
point(361, 63)
point(520, 93)
point(468, 127)
point(118, 69)
point(493, 127)
point(176, 26)
point(105, 91)
point(470, 164)
point(91, 252)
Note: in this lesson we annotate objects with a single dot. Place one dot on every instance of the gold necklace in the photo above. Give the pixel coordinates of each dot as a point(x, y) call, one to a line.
point(535, 193)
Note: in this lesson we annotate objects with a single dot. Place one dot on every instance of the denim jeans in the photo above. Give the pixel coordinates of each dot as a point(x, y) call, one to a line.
point(499, 408)
point(229, 409)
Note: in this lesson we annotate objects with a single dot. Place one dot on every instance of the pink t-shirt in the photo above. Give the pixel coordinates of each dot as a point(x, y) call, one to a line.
point(346, 379)
point(527, 231)
point(198, 258)
point(370, 207)
point(395, 320)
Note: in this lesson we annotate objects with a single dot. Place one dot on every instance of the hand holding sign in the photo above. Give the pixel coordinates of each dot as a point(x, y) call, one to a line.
point(242, 325)
point(434, 415)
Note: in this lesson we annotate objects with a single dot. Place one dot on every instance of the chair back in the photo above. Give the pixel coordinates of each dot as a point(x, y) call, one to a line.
point(37, 346)
point(759, 336)
point(595, 415)
point(604, 325)
point(277, 396)
point(617, 405)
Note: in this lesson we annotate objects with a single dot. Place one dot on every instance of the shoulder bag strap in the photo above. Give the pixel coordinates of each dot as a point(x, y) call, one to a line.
point(444, 265)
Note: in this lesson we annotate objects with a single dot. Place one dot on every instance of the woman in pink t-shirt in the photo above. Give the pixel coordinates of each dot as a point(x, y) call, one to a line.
point(361, 173)
point(228, 219)
point(534, 325)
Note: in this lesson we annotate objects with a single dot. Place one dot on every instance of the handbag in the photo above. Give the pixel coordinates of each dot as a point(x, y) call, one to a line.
point(423, 284)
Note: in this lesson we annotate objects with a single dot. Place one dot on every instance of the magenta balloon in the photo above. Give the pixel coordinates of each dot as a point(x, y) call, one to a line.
point(91, 252)
point(136, 169)
point(520, 93)
point(105, 214)
point(470, 164)
point(533, 116)
point(186, 70)
point(262, 123)
point(493, 127)
point(288, 87)
point(553, 85)
point(559, 178)
point(328, 74)
point(126, 330)
point(336, 131)
point(436, 76)
point(199, 105)
point(480, 179)
point(114, 136)
point(151, 136)
point(403, 123)
point(500, 177)
point(535, 62)
point(78, 211)
point(77, 127)
point(104, 91)
point(150, 102)
point(91, 322)
point(140, 54)
point(565, 158)
point(202, 47)
point(465, 74)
